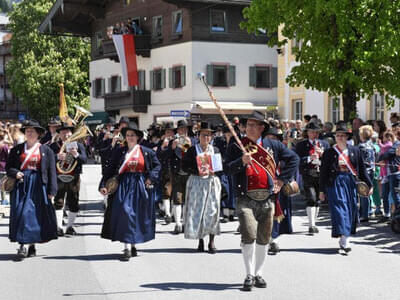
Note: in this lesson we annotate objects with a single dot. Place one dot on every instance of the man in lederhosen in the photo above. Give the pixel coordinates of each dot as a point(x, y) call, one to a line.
point(68, 184)
point(256, 189)
point(166, 186)
point(175, 152)
point(51, 132)
point(310, 152)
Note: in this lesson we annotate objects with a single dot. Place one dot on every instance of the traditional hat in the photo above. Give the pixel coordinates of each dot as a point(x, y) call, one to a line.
point(182, 123)
point(256, 115)
point(54, 121)
point(273, 131)
point(342, 127)
point(205, 126)
point(168, 125)
point(32, 124)
point(123, 120)
point(111, 120)
point(65, 126)
point(313, 126)
point(132, 126)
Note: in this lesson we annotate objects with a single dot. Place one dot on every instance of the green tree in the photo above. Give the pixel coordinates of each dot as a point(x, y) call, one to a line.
point(350, 47)
point(40, 62)
point(4, 7)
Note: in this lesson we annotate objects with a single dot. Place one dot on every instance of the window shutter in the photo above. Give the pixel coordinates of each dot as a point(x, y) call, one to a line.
point(119, 87)
point(232, 75)
point(183, 75)
point(170, 79)
point(151, 80)
point(163, 75)
point(103, 87)
point(94, 89)
point(210, 75)
point(274, 77)
point(109, 85)
point(142, 80)
point(252, 76)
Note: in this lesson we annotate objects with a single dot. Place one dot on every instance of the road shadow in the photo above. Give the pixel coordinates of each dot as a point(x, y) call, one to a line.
point(7, 257)
point(93, 257)
point(169, 250)
point(179, 286)
point(326, 251)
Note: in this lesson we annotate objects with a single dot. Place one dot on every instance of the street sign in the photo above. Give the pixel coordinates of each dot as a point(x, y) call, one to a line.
point(21, 117)
point(180, 113)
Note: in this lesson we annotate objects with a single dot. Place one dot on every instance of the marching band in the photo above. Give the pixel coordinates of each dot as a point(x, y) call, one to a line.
point(199, 179)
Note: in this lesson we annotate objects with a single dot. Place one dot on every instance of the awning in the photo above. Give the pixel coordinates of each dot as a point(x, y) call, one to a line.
point(100, 117)
point(209, 105)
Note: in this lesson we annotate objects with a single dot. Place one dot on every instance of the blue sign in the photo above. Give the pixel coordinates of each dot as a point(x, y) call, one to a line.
point(21, 117)
point(180, 113)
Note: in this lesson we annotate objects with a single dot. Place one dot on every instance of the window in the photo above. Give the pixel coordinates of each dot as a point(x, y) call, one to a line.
point(334, 109)
point(157, 79)
point(221, 75)
point(114, 84)
point(297, 110)
point(264, 77)
point(157, 27)
point(177, 22)
point(98, 39)
point(218, 21)
point(98, 87)
point(378, 107)
point(142, 80)
point(177, 77)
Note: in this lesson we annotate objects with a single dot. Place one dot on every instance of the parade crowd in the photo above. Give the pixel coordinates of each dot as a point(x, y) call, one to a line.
point(199, 175)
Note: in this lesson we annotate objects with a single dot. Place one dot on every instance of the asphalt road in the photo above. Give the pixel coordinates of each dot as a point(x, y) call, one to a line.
point(308, 267)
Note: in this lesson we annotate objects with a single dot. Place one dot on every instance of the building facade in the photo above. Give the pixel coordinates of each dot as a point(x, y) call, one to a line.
point(178, 40)
point(295, 102)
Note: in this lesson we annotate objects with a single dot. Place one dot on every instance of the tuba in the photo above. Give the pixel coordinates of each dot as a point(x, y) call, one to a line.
point(67, 166)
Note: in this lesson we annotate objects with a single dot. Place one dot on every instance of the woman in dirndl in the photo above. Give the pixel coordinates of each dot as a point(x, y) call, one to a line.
point(130, 218)
point(203, 190)
point(340, 167)
point(32, 216)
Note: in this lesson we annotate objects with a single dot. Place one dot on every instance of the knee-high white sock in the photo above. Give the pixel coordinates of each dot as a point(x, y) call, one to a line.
point(178, 214)
point(261, 253)
point(167, 207)
point(225, 212)
point(59, 217)
point(248, 258)
point(105, 200)
point(311, 216)
point(126, 246)
point(316, 212)
point(71, 218)
point(184, 213)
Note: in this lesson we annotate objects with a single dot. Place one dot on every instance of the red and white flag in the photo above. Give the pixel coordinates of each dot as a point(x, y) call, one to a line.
point(125, 46)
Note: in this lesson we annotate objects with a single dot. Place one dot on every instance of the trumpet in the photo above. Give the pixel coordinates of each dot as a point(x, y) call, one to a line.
point(184, 143)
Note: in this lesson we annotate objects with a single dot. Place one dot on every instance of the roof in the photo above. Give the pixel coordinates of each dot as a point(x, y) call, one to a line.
point(73, 17)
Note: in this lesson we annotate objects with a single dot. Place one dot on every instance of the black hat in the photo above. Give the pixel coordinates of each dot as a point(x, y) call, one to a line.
point(205, 126)
point(342, 127)
point(124, 120)
point(312, 126)
point(168, 125)
point(395, 124)
point(258, 116)
point(273, 131)
point(132, 126)
point(32, 124)
point(182, 123)
point(65, 126)
point(54, 121)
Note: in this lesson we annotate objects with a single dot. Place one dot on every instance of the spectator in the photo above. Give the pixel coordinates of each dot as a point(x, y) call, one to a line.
point(3, 160)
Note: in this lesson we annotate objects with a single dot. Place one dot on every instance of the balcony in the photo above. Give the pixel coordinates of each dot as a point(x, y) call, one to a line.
point(107, 48)
point(136, 100)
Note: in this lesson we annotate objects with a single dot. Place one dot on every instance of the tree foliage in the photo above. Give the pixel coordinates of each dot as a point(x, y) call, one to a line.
point(4, 6)
point(40, 62)
point(350, 47)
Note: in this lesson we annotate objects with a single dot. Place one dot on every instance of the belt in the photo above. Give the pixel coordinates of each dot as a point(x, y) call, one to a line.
point(259, 195)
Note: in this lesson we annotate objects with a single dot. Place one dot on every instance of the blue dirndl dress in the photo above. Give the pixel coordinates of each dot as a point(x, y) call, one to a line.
point(342, 199)
point(285, 226)
point(32, 215)
point(133, 217)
